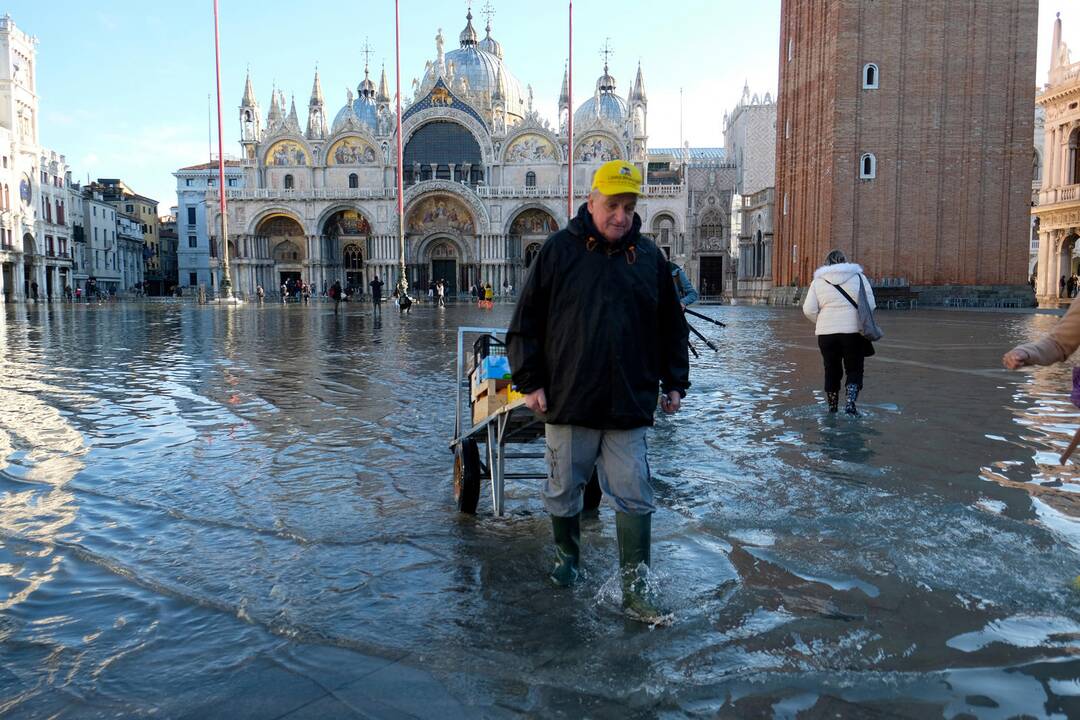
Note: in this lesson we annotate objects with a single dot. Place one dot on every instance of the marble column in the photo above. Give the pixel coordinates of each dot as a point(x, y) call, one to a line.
point(1042, 271)
point(19, 291)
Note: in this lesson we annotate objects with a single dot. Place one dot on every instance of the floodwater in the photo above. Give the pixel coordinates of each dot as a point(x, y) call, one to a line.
point(247, 512)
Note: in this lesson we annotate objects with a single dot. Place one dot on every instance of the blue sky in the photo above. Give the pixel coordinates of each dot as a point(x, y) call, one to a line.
point(123, 86)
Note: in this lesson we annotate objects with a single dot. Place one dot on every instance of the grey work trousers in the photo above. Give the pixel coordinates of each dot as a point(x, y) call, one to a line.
point(620, 457)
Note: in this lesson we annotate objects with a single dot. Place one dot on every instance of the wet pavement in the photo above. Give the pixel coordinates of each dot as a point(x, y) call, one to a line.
point(247, 512)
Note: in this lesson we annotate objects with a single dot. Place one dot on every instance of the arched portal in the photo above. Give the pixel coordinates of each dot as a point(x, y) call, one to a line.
point(443, 264)
point(528, 231)
point(352, 259)
point(288, 247)
point(531, 251)
point(30, 261)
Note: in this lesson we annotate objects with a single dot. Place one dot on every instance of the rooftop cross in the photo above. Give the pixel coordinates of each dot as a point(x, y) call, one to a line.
point(366, 51)
point(607, 52)
point(489, 12)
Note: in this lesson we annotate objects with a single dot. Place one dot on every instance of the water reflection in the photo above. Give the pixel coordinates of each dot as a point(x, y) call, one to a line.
point(196, 490)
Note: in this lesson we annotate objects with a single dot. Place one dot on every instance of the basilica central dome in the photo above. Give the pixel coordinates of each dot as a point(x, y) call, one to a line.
point(480, 63)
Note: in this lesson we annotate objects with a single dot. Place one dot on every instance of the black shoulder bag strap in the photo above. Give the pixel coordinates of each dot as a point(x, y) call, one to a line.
point(844, 293)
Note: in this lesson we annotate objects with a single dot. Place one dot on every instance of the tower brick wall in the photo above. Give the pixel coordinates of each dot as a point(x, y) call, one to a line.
point(949, 125)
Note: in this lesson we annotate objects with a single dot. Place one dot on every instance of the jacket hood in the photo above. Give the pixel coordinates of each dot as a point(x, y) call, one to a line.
point(583, 226)
point(838, 273)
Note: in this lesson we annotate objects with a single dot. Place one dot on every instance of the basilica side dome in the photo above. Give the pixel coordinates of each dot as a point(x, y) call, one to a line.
point(605, 104)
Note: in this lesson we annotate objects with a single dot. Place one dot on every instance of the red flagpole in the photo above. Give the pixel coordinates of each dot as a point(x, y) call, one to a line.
point(570, 121)
point(226, 280)
point(403, 282)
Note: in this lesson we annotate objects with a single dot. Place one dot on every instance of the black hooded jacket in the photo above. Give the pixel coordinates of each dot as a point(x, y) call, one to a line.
point(599, 328)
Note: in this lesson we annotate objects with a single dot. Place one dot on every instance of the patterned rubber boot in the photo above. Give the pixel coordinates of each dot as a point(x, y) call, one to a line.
point(833, 398)
point(852, 396)
point(567, 532)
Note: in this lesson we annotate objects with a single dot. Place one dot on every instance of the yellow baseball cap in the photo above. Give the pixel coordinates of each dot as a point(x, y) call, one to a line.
point(616, 177)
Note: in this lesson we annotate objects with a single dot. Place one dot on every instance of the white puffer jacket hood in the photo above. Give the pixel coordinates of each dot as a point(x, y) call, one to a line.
point(827, 307)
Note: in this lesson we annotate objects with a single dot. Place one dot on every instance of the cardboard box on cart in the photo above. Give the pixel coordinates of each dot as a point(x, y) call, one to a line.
point(490, 387)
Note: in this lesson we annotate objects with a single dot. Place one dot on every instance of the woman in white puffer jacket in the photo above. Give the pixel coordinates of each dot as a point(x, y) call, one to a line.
point(837, 326)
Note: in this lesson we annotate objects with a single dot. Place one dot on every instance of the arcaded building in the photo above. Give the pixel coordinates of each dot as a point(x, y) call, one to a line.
point(904, 138)
point(1058, 206)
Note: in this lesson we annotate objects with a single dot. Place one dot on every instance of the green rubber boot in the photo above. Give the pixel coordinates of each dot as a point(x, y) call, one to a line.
point(635, 540)
point(567, 532)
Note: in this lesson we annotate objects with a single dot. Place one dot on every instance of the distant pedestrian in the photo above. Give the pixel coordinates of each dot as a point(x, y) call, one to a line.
point(1061, 287)
point(440, 292)
point(376, 286)
point(33, 290)
point(489, 293)
point(431, 290)
point(335, 294)
point(831, 304)
point(305, 290)
point(260, 293)
point(284, 292)
point(506, 288)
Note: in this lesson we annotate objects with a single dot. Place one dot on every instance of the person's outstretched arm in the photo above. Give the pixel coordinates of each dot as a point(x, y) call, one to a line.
point(1055, 346)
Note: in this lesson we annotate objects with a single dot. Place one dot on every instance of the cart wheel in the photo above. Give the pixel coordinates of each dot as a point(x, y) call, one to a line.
point(593, 494)
point(467, 476)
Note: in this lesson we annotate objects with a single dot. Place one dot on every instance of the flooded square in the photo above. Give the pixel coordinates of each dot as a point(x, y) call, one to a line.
point(248, 512)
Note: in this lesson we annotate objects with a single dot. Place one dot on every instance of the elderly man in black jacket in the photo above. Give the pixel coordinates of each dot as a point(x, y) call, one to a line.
point(596, 332)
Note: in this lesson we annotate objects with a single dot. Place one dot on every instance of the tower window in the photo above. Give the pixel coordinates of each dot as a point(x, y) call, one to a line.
point(530, 179)
point(354, 180)
point(870, 76)
point(868, 166)
point(790, 48)
point(289, 182)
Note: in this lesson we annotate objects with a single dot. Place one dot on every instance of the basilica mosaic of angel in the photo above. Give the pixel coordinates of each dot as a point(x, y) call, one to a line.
point(596, 148)
point(287, 152)
point(530, 147)
point(533, 222)
point(350, 151)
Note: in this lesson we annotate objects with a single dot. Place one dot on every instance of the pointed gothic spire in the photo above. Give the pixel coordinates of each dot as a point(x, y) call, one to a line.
point(316, 92)
point(500, 87)
point(273, 118)
point(292, 122)
point(316, 121)
point(564, 93)
point(384, 92)
point(639, 86)
point(249, 93)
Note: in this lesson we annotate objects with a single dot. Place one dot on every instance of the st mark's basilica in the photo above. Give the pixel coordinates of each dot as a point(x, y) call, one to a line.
point(485, 180)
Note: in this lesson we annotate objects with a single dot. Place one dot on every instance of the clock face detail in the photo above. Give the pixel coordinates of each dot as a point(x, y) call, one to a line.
point(24, 190)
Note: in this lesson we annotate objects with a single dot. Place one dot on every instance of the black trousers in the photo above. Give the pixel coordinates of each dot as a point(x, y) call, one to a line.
point(842, 352)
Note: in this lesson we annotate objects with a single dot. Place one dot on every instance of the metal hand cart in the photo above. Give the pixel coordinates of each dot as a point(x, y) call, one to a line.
point(510, 423)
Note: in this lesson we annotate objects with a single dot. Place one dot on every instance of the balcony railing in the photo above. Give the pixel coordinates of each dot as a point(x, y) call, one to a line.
point(484, 191)
point(309, 194)
point(1066, 193)
point(559, 191)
